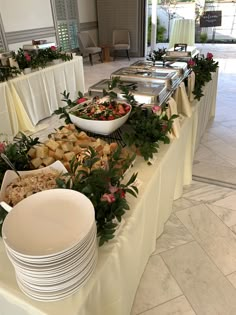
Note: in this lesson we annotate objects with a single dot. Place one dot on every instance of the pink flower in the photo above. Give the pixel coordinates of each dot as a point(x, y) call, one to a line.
point(156, 108)
point(27, 57)
point(108, 197)
point(191, 63)
point(113, 189)
point(2, 147)
point(53, 48)
point(209, 56)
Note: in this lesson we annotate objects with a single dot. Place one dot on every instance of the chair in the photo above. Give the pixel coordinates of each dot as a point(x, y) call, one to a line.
point(121, 41)
point(88, 46)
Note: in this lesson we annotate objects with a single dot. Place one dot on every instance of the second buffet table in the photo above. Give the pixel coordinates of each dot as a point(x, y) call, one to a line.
point(121, 262)
point(33, 97)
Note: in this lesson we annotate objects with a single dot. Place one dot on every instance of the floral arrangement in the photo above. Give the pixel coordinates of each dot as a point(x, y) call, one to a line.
point(104, 187)
point(53, 53)
point(156, 55)
point(35, 59)
point(203, 68)
point(24, 59)
point(8, 72)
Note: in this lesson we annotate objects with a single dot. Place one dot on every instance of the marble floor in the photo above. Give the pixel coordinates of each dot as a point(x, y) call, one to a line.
point(193, 269)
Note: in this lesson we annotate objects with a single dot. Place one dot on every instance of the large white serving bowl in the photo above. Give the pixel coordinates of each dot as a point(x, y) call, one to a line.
point(101, 127)
point(10, 175)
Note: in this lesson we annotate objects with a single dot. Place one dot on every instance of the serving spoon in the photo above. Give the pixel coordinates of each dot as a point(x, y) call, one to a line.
point(9, 163)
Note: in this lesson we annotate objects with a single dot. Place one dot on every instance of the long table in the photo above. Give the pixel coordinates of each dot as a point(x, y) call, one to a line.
point(121, 262)
point(33, 97)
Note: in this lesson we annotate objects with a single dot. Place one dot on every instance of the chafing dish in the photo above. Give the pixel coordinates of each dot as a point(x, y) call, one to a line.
point(190, 52)
point(166, 76)
point(144, 92)
point(180, 67)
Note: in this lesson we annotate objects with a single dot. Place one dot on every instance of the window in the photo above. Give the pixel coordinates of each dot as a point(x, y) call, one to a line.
point(66, 20)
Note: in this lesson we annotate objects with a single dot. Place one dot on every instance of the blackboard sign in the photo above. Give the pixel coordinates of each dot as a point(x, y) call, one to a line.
point(210, 19)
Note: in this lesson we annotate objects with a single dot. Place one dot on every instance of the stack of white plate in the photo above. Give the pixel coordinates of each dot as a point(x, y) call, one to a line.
point(50, 238)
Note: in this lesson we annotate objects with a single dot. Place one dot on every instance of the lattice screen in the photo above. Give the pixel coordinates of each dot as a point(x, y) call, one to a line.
point(67, 21)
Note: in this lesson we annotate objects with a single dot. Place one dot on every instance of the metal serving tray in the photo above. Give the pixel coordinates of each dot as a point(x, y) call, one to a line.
point(145, 92)
point(135, 74)
point(180, 67)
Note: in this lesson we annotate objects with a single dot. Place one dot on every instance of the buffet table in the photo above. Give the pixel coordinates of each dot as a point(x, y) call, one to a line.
point(38, 94)
point(121, 262)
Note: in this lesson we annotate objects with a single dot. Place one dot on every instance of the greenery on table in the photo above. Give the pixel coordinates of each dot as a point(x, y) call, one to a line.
point(17, 154)
point(203, 68)
point(147, 125)
point(8, 72)
point(63, 111)
point(156, 55)
point(104, 187)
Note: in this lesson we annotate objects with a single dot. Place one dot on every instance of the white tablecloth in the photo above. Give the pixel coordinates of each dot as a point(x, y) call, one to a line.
point(121, 262)
point(40, 91)
point(183, 31)
point(13, 117)
point(29, 98)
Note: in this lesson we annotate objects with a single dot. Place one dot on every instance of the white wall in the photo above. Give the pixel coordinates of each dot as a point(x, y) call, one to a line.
point(25, 14)
point(87, 11)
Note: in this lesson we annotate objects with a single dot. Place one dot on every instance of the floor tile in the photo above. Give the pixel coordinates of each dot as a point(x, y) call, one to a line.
point(174, 234)
point(156, 286)
point(232, 278)
point(208, 193)
point(233, 229)
point(212, 234)
point(227, 202)
point(222, 172)
point(207, 290)
point(182, 203)
point(226, 215)
point(178, 306)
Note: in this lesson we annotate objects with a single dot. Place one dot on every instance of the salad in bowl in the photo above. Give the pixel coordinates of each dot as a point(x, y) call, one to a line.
point(100, 117)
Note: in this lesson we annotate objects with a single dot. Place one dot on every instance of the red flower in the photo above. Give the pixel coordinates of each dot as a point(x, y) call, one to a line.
point(191, 63)
point(2, 147)
point(81, 100)
point(53, 48)
point(122, 193)
point(164, 127)
point(209, 56)
point(27, 57)
point(108, 197)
